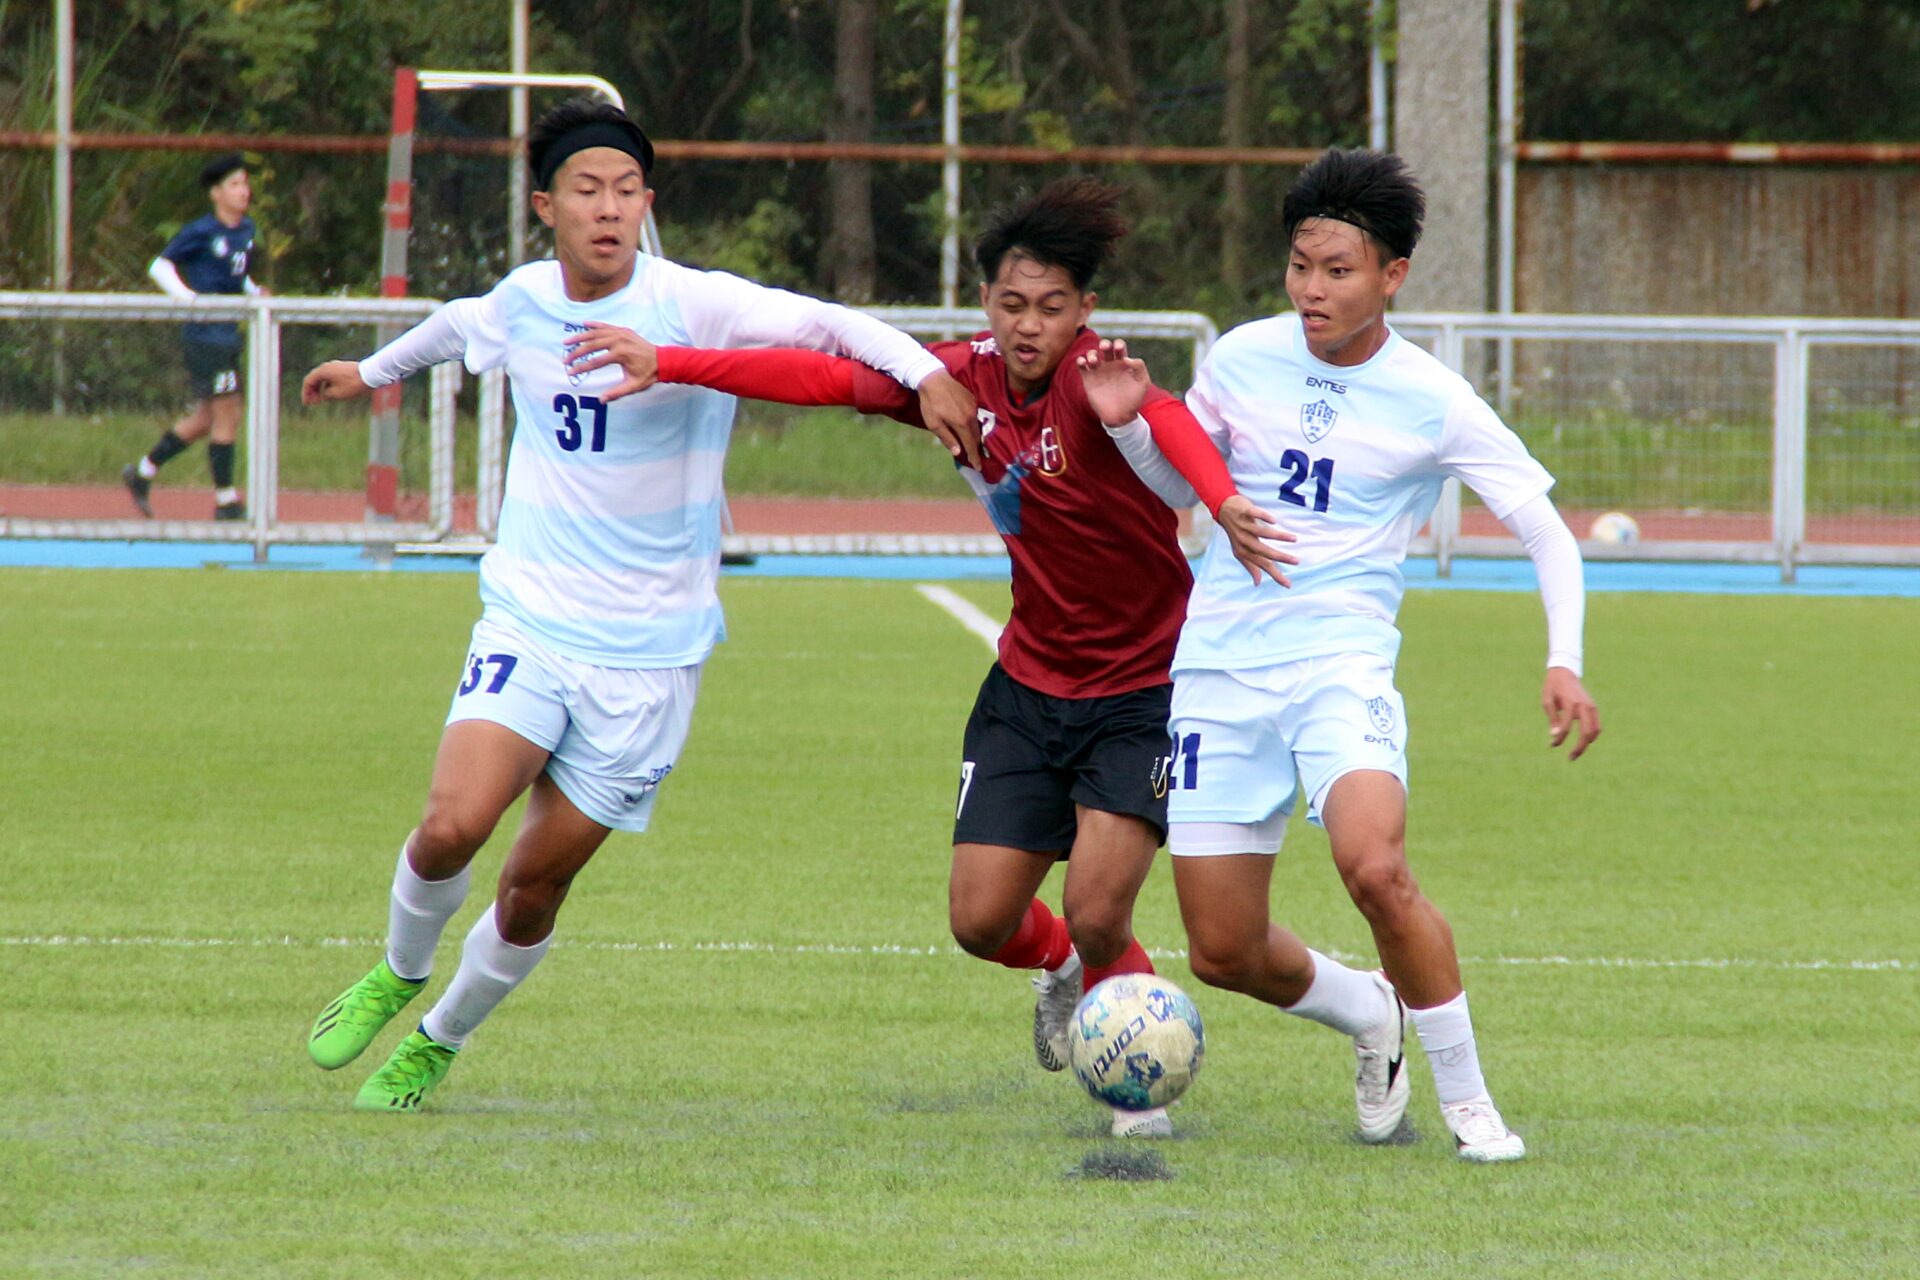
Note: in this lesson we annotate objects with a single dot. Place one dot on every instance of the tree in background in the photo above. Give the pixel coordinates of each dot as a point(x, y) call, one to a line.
point(1046, 73)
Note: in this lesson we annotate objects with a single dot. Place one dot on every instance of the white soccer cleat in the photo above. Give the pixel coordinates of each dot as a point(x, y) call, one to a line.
point(1058, 995)
point(1480, 1134)
point(1382, 1084)
point(1142, 1124)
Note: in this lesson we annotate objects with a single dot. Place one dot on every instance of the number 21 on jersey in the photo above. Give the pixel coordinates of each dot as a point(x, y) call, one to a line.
point(1300, 466)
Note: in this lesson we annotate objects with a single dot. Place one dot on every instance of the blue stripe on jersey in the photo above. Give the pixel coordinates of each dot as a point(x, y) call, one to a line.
point(673, 640)
point(580, 562)
point(544, 536)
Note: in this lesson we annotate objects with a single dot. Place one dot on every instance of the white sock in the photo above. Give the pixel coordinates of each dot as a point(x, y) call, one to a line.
point(1342, 998)
point(226, 497)
point(417, 911)
point(490, 967)
point(146, 468)
point(1446, 1033)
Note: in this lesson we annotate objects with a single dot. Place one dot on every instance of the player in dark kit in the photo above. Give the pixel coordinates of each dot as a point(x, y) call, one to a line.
point(1066, 751)
point(210, 255)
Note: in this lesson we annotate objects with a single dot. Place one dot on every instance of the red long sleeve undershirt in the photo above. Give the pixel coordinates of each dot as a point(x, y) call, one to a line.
point(787, 376)
point(1185, 443)
point(779, 374)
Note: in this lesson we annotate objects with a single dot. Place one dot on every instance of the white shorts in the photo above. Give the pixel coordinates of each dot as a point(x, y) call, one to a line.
point(1245, 742)
point(613, 734)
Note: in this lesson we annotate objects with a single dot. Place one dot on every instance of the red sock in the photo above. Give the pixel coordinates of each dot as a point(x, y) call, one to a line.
point(1041, 941)
point(1132, 960)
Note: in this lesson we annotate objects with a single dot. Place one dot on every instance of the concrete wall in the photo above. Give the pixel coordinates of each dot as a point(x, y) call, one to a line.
point(1440, 125)
point(1719, 241)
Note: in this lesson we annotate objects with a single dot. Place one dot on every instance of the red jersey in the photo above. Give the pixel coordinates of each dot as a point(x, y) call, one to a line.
point(1100, 584)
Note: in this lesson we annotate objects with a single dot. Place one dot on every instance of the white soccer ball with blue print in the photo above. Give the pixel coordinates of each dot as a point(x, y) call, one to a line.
point(1136, 1042)
point(1615, 529)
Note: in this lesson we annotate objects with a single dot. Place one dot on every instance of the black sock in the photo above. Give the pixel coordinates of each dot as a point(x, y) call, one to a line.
point(221, 456)
point(169, 446)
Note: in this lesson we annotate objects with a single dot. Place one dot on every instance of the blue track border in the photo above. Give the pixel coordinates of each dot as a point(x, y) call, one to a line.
point(1421, 574)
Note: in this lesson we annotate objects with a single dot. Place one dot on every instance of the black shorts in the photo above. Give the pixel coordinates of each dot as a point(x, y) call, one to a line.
point(212, 369)
point(1029, 758)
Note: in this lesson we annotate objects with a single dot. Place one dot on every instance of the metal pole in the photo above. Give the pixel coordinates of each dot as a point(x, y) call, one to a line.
point(517, 130)
point(1508, 89)
point(1377, 137)
point(1789, 450)
point(383, 445)
point(62, 184)
point(950, 165)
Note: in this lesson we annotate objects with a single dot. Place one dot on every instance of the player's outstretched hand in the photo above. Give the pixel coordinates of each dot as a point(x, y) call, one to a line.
point(1116, 383)
point(604, 344)
point(1252, 533)
point(950, 412)
point(334, 380)
point(1566, 702)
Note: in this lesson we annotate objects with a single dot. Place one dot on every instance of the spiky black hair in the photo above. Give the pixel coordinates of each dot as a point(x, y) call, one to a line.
point(1371, 190)
point(1071, 225)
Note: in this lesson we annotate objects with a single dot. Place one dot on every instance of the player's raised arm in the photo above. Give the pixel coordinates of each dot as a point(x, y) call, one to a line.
point(469, 328)
point(1171, 453)
point(781, 375)
point(734, 313)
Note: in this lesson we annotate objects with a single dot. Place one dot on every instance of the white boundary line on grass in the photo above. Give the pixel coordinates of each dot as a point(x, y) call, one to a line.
point(903, 949)
point(965, 612)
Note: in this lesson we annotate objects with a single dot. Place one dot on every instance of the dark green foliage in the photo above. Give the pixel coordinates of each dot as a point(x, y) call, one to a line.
point(1044, 73)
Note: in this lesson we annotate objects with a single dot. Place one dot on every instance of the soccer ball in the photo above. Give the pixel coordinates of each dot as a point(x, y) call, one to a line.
point(1136, 1042)
point(1615, 529)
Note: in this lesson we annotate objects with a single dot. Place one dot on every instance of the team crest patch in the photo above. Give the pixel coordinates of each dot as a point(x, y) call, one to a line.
point(1382, 712)
point(1316, 420)
point(1052, 452)
point(219, 246)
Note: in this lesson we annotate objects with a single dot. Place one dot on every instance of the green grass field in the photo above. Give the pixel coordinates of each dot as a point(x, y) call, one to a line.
point(753, 1052)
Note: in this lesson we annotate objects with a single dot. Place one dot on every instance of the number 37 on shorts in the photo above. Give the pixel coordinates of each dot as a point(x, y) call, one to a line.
point(487, 672)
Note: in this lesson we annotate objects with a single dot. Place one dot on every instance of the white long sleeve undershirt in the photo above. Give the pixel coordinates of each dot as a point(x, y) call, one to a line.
point(1135, 442)
point(440, 337)
point(1556, 563)
point(167, 276)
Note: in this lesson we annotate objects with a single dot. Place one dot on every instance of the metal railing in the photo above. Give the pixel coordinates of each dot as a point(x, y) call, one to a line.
point(1790, 344)
point(265, 318)
point(1702, 381)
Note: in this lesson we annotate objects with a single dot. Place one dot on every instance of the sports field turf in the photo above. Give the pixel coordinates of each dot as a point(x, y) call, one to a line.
point(753, 1052)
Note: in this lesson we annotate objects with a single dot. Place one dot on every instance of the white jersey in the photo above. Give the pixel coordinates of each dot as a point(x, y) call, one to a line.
point(608, 547)
point(1351, 460)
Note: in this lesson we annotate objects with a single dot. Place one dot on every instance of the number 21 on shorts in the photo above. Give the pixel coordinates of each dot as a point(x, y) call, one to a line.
point(1183, 766)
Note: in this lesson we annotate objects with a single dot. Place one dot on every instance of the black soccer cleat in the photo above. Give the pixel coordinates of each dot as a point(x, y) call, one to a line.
point(230, 511)
point(139, 487)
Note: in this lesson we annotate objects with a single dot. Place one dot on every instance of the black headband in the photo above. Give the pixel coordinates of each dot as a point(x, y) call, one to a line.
point(621, 136)
point(1352, 219)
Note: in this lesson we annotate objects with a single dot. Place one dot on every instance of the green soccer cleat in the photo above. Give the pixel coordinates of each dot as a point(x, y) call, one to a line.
point(417, 1065)
point(347, 1026)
